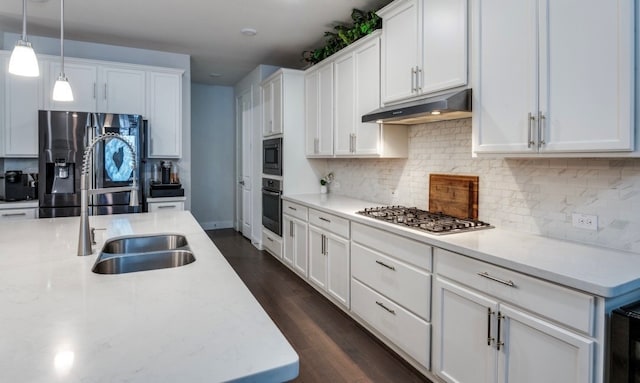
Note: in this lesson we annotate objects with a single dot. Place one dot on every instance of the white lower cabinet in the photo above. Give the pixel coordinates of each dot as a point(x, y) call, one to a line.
point(7, 215)
point(165, 204)
point(496, 337)
point(329, 255)
point(295, 243)
point(272, 243)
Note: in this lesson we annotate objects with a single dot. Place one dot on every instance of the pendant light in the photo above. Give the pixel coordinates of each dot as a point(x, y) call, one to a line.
point(23, 61)
point(62, 89)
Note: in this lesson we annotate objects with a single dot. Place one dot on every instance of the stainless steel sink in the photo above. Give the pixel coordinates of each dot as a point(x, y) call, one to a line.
point(140, 253)
point(129, 263)
point(144, 243)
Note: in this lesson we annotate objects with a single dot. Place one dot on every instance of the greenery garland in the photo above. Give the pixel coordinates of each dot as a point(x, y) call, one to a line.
point(364, 23)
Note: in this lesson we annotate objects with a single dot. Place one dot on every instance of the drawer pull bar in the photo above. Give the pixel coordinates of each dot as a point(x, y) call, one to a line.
point(486, 275)
point(166, 206)
point(324, 219)
point(13, 214)
point(489, 337)
point(499, 343)
point(386, 308)
point(292, 208)
point(385, 265)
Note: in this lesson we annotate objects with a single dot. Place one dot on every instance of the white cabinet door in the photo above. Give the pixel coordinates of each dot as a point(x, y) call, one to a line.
point(288, 239)
point(337, 251)
point(23, 99)
point(345, 97)
point(121, 90)
point(83, 81)
point(319, 110)
point(164, 112)
point(300, 256)
point(574, 78)
point(463, 334)
point(267, 109)
point(400, 51)
point(505, 90)
point(367, 136)
point(317, 257)
point(538, 351)
point(277, 105)
point(177, 205)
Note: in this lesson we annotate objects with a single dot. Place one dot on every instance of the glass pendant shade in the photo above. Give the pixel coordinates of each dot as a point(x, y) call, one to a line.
point(23, 61)
point(62, 89)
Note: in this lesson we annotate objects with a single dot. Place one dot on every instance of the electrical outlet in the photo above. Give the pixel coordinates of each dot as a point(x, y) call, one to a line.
point(585, 221)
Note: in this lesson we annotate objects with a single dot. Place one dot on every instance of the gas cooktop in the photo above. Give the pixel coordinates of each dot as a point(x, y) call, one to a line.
point(434, 223)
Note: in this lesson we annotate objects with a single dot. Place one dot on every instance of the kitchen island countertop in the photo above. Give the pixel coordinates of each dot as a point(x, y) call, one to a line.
point(196, 323)
point(599, 271)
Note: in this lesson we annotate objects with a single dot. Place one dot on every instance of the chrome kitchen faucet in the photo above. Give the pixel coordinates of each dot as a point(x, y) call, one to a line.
point(85, 239)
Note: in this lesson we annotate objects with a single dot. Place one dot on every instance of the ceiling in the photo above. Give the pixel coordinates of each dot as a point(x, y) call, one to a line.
point(208, 30)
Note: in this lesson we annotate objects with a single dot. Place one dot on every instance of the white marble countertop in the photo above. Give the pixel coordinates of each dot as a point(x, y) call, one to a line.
point(596, 270)
point(196, 323)
point(19, 204)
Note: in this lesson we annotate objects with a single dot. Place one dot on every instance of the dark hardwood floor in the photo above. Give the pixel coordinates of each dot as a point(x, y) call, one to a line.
point(332, 347)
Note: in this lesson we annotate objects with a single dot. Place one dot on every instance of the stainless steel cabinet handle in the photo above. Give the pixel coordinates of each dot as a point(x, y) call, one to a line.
point(413, 80)
point(13, 214)
point(385, 265)
point(270, 239)
point(322, 244)
point(491, 277)
point(418, 82)
point(290, 228)
point(316, 145)
point(386, 308)
point(531, 121)
point(94, 90)
point(354, 142)
point(293, 208)
point(324, 219)
point(499, 343)
point(541, 126)
point(105, 91)
point(489, 337)
point(241, 182)
point(166, 206)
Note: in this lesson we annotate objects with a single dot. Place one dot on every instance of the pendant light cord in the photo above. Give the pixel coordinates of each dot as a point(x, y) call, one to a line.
point(24, 20)
point(61, 37)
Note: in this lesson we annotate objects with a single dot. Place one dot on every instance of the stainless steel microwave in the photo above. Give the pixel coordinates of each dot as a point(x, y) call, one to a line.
point(272, 156)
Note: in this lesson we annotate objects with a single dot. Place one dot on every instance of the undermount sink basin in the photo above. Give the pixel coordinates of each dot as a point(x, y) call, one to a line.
point(130, 263)
point(144, 243)
point(140, 253)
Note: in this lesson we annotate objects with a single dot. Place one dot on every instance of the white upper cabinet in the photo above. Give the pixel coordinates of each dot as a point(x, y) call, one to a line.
point(83, 78)
point(23, 98)
point(122, 91)
point(100, 88)
point(539, 84)
point(424, 47)
point(164, 113)
point(319, 110)
point(272, 106)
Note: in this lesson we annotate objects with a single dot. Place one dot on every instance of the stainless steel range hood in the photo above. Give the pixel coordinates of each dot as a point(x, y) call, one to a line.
point(448, 106)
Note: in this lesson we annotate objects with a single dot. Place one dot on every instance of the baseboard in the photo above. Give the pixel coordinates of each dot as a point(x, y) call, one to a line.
point(213, 225)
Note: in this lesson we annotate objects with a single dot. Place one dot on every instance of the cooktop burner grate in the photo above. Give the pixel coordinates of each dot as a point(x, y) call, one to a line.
point(432, 222)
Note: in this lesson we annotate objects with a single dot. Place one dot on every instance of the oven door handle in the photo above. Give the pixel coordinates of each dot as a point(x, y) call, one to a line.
point(270, 192)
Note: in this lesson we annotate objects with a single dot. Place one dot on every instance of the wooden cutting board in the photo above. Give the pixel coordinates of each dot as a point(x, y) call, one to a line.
point(454, 195)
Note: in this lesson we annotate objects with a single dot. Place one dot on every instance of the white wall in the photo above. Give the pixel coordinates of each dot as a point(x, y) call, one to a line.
point(213, 150)
point(530, 195)
point(81, 49)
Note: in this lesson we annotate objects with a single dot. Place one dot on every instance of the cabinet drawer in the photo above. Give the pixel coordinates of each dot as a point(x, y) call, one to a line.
point(165, 206)
point(17, 214)
point(405, 249)
point(330, 222)
point(403, 283)
point(406, 330)
point(295, 210)
point(566, 306)
point(272, 243)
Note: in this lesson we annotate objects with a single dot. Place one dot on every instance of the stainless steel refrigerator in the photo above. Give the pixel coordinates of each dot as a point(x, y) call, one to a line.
point(63, 137)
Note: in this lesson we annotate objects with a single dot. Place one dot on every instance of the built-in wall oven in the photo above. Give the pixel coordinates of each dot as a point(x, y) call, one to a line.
point(272, 156)
point(272, 205)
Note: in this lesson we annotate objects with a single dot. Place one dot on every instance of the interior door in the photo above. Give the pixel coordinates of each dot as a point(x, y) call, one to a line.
point(244, 208)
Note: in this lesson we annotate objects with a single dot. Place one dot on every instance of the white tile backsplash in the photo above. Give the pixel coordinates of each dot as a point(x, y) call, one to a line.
point(530, 195)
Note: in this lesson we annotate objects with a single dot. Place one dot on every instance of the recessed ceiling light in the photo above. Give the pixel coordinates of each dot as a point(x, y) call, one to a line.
point(248, 31)
point(215, 74)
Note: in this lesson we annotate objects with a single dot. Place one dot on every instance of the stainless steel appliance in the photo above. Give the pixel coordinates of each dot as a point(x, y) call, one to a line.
point(624, 344)
point(272, 156)
point(433, 223)
point(272, 205)
point(18, 186)
point(63, 137)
